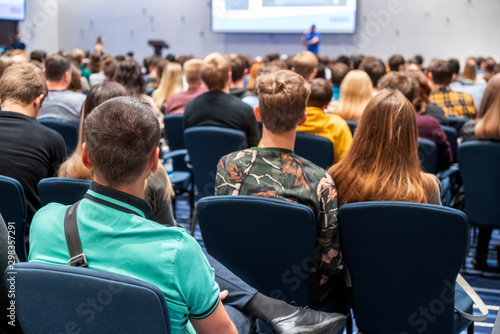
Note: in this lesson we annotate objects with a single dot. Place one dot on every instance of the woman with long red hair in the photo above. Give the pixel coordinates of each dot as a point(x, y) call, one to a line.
point(382, 163)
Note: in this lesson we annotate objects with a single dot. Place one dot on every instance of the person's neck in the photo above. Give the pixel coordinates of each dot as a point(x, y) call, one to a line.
point(27, 110)
point(57, 85)
point(436, 86)
point(225, 89)
point(135, 189)
point(284, 140)
point(195, 85)
point(237, 84)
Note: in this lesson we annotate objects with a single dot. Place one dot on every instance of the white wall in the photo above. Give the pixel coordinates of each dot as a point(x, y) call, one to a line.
point(443, 28)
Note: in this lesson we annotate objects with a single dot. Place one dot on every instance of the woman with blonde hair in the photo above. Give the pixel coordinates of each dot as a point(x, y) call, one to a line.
point(170, 83)
point(355, 92)
point(382, 163)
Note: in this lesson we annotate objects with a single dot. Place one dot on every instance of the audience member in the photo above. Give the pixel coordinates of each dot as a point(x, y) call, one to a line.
point(467, 82)
point(99, 77)
point(489, 70)
point(239, 69)
point(196, 87)
point(99, 47)
point(382, 163)
point(339, 71)
point(217, 107)
point(486, 127)
point(355, 92)
point(332, 127)
point(5, 61)
point(17, 44)
point(428, 127)
point(344, 60)
point(39, 56)
point(29, 150)
point(78, 56)
point(421, 97)
point(61, 104)
point(171, 83)
point(455, 65)
point(375, 69)
point(305, 64)
point(453, 103)
point(396, 63)
point(128, 74)
point(273, 170)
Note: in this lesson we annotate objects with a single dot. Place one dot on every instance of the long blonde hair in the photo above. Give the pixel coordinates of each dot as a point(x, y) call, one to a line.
point(355, 92)
point(470, 70)
point(170, 83)
point(382, 163)
point(488, 126)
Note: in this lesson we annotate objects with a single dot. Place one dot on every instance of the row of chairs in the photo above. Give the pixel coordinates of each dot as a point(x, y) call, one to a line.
point(393, 275)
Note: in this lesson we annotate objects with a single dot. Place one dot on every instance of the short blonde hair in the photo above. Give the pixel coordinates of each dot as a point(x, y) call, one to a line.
point(192, 70)
point(282, 100)
point(22, 83)
point(215, 70)
point(304, 63)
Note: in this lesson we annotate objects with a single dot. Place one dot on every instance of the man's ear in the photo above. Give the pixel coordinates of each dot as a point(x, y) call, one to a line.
point(153, 160)
point(37, 104)
point(230, 77)
point(67, 77)
point(85, 157)
point(302, 120)
point(256, 112)
point(313, 74)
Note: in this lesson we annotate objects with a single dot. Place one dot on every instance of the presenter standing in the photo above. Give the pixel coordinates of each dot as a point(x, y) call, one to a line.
point(311, 40)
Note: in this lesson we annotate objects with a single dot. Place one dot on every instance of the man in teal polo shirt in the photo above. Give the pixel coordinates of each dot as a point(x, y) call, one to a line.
point(122, 151)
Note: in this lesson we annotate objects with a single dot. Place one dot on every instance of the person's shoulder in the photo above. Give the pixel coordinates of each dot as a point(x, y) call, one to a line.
point(200, 99)
point(47, 215)
point(234, 156)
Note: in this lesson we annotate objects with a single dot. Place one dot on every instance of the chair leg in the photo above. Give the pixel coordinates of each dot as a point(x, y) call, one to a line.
point(174, 207)
point(192, 224)
point(348, 324)
point(470, 329)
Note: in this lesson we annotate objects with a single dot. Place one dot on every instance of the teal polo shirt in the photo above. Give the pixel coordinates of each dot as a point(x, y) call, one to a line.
point(117, 237)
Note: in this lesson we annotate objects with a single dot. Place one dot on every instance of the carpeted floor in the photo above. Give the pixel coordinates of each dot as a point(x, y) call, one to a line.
point(487, 285)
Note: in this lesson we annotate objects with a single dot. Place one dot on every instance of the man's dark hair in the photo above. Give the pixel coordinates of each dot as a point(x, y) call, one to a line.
point(128, 73)
point(120, 58)
point(356, 61)
point(480, 60)
point(442, 72)
point(238, 66)
point(455, 64)
point(55, 67)
point(343, 59)
point(375, 69)
point(321, 71)
point(38, 55)
point(272, 56)
point(339, 71)
point(321, 93)
point(419, 59)
point(395, 62)
point(121, 135)
point(130, 54)
point(398, 81)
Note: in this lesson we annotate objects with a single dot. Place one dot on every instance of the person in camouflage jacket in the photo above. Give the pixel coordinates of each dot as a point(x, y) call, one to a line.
point(274, 171)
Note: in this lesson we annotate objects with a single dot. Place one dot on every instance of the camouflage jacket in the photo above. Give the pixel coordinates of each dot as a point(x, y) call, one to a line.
point(281, 174)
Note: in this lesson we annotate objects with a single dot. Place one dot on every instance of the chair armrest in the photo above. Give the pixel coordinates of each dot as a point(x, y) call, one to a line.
point(173, 154)
point(448, 172)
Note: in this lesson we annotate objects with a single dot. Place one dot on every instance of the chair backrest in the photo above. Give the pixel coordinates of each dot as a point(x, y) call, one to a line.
point(62, 190)
point(352, 126)
point(68, 131)
point(427, 152)
point(479, 167)
point(456, 122)
point(206, 145)
point(264, 241)
point(452, 136)
point(316, 149)
point(174, 131)
point(13, 210)
point(56, 299)
point(403, 258)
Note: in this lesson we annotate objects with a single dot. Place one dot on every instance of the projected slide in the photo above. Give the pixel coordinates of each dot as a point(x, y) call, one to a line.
point(284, 16)
point(12, 10)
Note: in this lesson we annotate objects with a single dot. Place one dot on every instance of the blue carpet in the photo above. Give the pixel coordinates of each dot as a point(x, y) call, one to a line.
point(487, 285)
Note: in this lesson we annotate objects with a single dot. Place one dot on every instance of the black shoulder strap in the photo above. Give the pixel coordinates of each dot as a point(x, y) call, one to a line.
point(77, 257)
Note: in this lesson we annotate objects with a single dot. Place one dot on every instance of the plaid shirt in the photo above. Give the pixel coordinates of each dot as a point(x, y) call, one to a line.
point(453, 103)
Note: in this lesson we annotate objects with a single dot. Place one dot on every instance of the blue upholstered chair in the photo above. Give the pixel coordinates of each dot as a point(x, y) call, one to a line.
point(68, 131)
point(479, 163)
point(427, 152)
point(404, 257)
point(352, 126)
point(13, 209)
point(63, 190)
point(174, 134)
point(452, 136)
point(316, 149)
point(456, 122)
point(56, 299)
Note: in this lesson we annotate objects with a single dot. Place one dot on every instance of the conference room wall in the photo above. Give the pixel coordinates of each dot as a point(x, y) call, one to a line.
point(442, 28)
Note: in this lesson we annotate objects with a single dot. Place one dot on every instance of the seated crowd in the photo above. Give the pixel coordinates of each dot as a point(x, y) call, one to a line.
point(119, 107)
